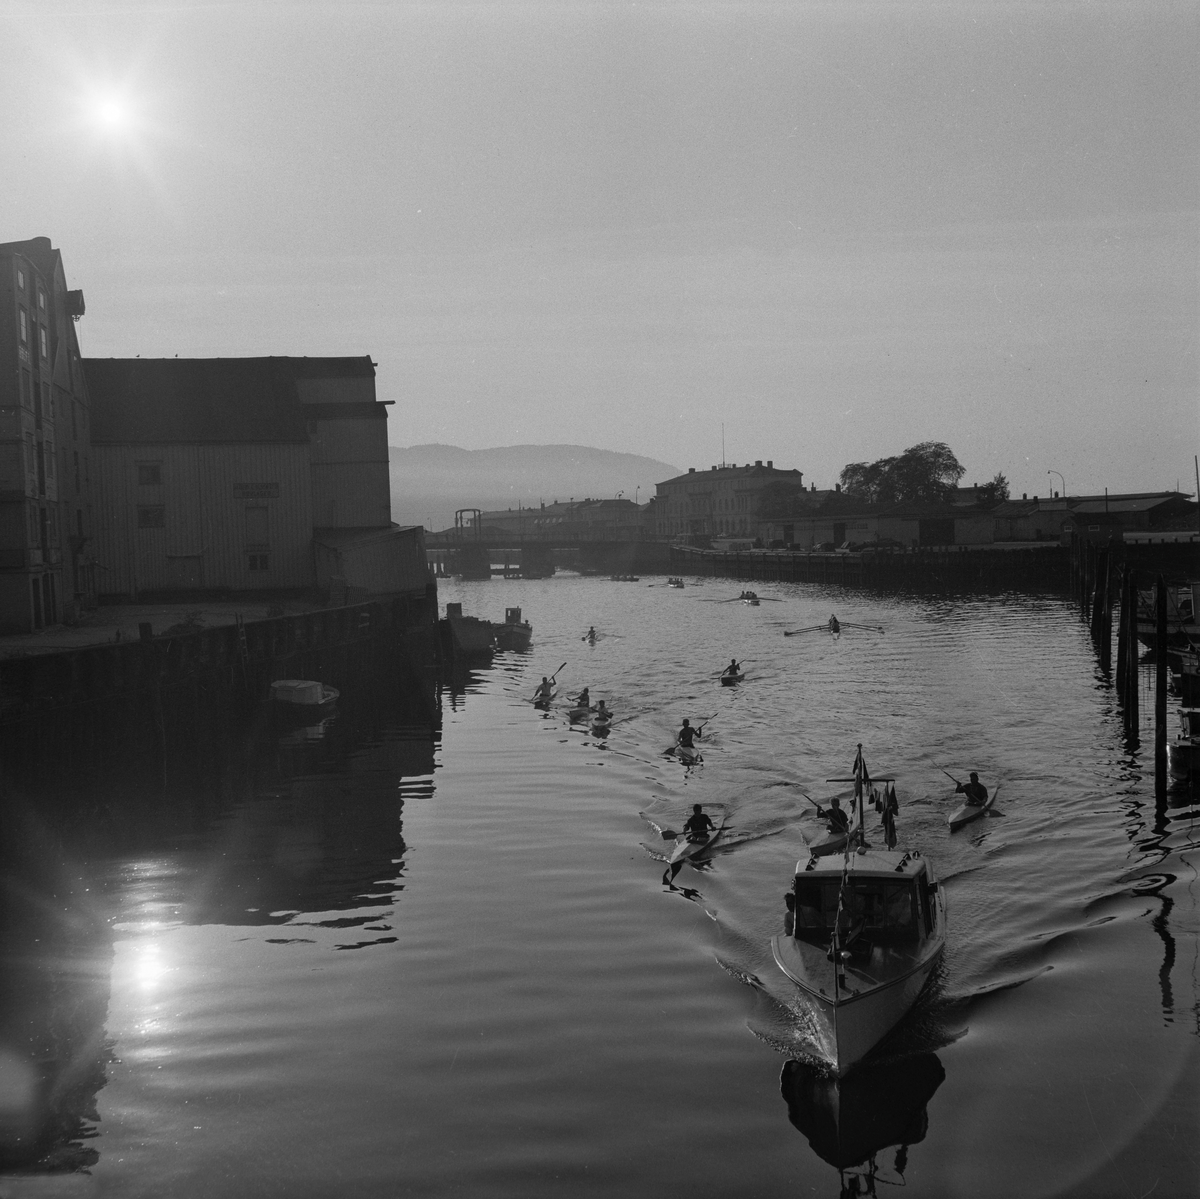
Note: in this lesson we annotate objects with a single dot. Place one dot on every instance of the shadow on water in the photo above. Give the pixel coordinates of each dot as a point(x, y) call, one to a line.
point(275, 820)
point(850, 1121)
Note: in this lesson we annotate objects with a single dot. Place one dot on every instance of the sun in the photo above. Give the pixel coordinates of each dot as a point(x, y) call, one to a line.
point(111, 114)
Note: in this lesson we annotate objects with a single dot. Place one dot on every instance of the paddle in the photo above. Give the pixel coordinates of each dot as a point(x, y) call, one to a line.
point(809, 629)
point(873, 628)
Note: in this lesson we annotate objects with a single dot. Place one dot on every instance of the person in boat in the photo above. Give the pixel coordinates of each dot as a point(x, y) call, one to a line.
point(698, 827)
point(583, 699)
point(733, 667)
point(687, 734)
point(544, 689)
point(835, 817)
point(590, 635)
point(975, 791)
point(602, 713)
point(834, 626)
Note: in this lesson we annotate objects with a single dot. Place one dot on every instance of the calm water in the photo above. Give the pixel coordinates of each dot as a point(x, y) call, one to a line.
point(388, 964)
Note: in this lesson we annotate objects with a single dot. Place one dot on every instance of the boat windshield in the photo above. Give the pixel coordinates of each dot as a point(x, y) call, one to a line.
point(884, 910)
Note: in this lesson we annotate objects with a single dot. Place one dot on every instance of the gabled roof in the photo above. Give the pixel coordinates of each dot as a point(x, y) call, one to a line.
point(723, 472)
point(164, 400)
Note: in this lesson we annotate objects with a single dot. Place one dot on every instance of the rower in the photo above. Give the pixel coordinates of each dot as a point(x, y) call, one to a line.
point(834, 627)
point(698, 825)
point(975, 791)
point(686, 734)
point(545, 689)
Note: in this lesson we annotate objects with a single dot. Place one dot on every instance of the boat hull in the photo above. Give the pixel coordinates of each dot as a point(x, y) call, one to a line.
point(692, 851)
point(688, 754)
point(967, 812)
point(729, 680)
point(854, 1023)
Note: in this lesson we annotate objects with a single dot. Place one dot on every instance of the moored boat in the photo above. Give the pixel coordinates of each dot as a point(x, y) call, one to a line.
point(1183, 751)
point(304, 697)
point(862, 936)
point(514, 633)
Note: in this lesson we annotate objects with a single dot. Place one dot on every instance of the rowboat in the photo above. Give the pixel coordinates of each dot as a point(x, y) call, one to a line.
point(687, 849)
point(728, 680)
point(861, 937)
point(967, 812)
point(303, 697)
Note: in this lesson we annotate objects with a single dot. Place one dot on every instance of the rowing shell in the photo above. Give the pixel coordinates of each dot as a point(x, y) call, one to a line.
point(686, 850)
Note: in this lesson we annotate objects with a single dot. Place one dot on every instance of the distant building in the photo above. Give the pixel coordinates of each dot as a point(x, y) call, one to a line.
point(46, 564)
point(577, 520)
point(722, 501)
point(1095, 517)
point(245, 474)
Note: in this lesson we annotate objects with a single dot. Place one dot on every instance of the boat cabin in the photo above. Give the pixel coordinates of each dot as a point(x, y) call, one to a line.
point(885, 904)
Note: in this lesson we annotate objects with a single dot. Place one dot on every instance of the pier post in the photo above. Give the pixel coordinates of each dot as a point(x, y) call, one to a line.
point(1106, 607)
point(1122, 636)
point(1132, 723)
point(1160, 684)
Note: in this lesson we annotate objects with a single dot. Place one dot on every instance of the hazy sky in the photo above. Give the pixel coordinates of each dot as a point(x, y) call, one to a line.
point(839, 229)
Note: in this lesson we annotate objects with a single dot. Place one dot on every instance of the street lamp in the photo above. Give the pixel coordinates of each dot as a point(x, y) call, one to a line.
point(1064, 482)
point(635, 494)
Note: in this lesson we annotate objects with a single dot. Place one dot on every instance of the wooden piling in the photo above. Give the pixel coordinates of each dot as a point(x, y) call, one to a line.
point(1106, 611)
point(1160, 683)
point(1122, 637)
point(1132, 723)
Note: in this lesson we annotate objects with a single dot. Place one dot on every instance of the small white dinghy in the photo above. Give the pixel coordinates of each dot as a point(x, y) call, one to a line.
point(303, 696)
point(861, 938)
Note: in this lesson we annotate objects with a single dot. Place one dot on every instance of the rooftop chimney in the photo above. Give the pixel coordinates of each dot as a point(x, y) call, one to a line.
point(758, 462)
point(770, 464)
point(691, 470)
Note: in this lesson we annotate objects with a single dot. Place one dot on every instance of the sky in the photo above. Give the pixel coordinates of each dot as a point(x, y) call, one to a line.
point(816, 233)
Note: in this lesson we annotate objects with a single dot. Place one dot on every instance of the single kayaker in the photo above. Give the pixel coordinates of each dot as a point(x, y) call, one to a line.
point(686, 734)
point(603, 713)
point(698, 825)
point(975, 791)
point(583, 699)
point(544, 689)
point(733, 667)
point(835, 817)
point(590, 635)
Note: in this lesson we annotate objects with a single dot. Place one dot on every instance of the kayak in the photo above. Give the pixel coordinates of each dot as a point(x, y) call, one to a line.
point(728, 680)
point(686, 850)
point(602, 724)
point(969, 811)
point(577, 713)
point(827, 843)
point(543, 701)
point(688, 754)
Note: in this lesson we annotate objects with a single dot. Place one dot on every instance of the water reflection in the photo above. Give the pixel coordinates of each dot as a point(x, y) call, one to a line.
point(851, 1121)
point(306, 832)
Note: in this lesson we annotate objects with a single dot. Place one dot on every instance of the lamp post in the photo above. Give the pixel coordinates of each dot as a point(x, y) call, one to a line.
point(635, 494)
point(1064, 482)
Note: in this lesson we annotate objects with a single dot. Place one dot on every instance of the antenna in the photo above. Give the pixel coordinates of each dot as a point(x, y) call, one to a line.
point(722, 444)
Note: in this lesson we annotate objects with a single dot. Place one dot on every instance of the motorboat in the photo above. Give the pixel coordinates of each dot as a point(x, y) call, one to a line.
point(514, 633)
point(862, 935)
point(1183, 750)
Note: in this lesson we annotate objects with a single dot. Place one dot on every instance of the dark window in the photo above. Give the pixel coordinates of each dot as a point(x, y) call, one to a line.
point(259, 561)
point(43, 341)
point(149, 474)
point(23, 326)
point(151, 517)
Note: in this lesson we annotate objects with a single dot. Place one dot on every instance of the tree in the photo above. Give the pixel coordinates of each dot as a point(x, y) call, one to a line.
point(994, 492)
point(928, 471)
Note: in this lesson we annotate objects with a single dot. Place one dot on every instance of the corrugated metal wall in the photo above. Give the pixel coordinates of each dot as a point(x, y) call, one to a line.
point(204, 494)
point(350, 479)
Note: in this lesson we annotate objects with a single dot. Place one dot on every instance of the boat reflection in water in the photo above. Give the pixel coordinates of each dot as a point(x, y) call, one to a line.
point(851, 1120)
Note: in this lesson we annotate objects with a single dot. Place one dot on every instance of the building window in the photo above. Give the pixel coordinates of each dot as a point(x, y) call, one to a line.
point(20, 279)
point(43, 341)
point(259, 561)
point(23, 325)
point(149, 474)
point(151, 517)
point(41, 299)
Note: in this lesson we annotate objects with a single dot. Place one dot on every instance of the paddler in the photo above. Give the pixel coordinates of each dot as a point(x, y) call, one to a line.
point(583, 699)
point(544, 689)
point(836, 820)
point(603, 713)
point(698, 826)
point(590, 635)
point(733, 667)
point(686, 734)
point(975, 791)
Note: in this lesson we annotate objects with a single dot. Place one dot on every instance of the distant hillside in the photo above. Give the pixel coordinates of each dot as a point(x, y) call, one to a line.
point(429, 482)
